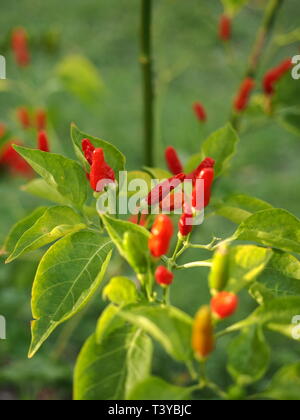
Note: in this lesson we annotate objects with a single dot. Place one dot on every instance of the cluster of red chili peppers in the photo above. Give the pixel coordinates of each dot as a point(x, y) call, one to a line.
point(9, 158)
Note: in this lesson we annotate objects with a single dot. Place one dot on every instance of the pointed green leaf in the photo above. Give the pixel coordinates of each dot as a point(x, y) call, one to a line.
point(109, 370)
point(113, 156)
point(55, 223)
point(246, 263)
point(63, 174)
point(20, 228)
point(79, 76)
point(238, 207)
point(39, 188)
point(285, 385)
point(261, 293)
point(108, 322)
point(68, 276)
point(121, 291)
point(286, 264)
point(221, 146)
point(249, 356)
point(168, 325)
point(156, 389)
point(274, 228)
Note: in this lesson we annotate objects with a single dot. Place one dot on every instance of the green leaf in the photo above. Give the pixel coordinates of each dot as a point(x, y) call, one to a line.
point(113, 156)
point(277, 315)
point(53, 224)
point(278, 284)
point(79, 76)
point(109, 370)
point(39, 188)
point(246, 263)
point(248, 356)
point(286, 264)
point(274, 228)
point(238, 207)
point(68, 276)
point(108, 322)
point(20, 228)
point(232, 7)
point(287, 92)
point(156, 389)
point(121, 290)
point(64, 175)
point(221, 146)
point(158, 173)
point(285, 385)
point(168, 325)
point(193, 163)
point(120, 233)
point(261, 293)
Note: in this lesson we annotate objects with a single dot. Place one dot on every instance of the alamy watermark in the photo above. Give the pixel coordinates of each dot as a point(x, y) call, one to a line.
point(2, 328)
point(136, 196)
point(2, 68)
point(296, 68)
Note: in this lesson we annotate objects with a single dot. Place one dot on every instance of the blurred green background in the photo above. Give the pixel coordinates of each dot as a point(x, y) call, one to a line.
point(190, 64)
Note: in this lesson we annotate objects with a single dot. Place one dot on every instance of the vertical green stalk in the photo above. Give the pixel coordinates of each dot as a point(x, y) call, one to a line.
point(147, 76)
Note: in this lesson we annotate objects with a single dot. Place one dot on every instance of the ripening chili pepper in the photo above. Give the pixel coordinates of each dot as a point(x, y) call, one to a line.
point(242, 99)
point(101, 173)
point(88, 150)
point(43, 142)
point(161, 235)
point(203, 341)
point(173, 201)
point(173, 161)
point(163, 276)
point(225, 28)
point(185, 224)
point(41, 119)
point(200, 112)
point(219, 274)
point(20, 47)
point(274, 75)
point(207, 175)
point(163, 189)
point(206, 163)
point(14, 162)
point(24, 117)
point(139, 220)
point(224, 304)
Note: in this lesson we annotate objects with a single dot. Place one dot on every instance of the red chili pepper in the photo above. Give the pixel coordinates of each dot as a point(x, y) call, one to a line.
point(185, 225)
point(242, 99)
point(173, 161)
point(224, 304)
point(274, 75)
point(225, 28)
point(172, 202)
point(43, 142)
point(101, 173)
point(163, 189)
point(14, 162)
point(200, 112)
point(163, 276)
point(41, 119)
point(206, 163)
point(135, 219)
point(24, 117)
point(161, 235)
point(20, 47)
point(207, 175)
point(88, 150)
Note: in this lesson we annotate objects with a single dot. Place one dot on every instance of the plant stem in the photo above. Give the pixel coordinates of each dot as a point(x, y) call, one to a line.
point(194, 265)
point(148, 89)
point(263, 34)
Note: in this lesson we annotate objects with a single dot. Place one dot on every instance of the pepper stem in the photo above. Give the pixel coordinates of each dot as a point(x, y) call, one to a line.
point(147, 81)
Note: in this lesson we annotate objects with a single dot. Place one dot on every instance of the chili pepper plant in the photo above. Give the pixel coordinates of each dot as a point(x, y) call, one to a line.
point(156, 243)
